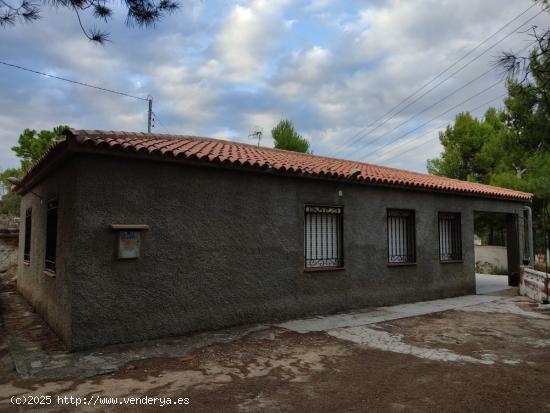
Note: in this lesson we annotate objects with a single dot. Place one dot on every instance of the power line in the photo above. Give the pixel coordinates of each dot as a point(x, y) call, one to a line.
point(436, 117)
point(430, 106)
point(359, 135)
point(454, 107)
point(71, 81)
point(156, 119)
point(431, 130)
point(364, 134)
point(458, 89)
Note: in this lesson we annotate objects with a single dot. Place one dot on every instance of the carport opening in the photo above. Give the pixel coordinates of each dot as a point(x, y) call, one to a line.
point(497, 248)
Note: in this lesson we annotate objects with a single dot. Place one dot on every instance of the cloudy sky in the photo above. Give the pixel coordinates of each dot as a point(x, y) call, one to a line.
point(223, 68)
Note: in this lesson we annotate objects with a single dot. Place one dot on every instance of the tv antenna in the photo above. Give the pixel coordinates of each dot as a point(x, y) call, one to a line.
point(256, 133)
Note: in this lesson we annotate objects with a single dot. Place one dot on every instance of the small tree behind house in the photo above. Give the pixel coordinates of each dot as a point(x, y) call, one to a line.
point(286, 137)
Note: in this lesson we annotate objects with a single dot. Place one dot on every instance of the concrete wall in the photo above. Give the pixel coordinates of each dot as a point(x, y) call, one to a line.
point(226, 247)
point(490, 257)
point(50, 296)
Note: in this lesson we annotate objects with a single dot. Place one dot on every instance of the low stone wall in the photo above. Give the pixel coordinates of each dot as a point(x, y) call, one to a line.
point(534, 284)
point(8, 257)
point(491, 259)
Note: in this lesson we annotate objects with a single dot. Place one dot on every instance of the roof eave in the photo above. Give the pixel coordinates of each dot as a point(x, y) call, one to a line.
point(49, 162)
point(94, 150)
point(73, 144)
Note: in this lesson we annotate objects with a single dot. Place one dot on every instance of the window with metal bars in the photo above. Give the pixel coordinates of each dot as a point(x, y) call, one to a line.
point(28, 228)
point(323, 236)
point(401, 236)
point(51, 235)
point(450, 237)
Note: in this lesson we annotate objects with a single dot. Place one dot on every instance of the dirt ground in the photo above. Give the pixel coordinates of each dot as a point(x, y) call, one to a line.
point(493, 357)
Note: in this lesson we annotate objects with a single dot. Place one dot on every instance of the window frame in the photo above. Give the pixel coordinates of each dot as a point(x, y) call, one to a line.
point(28, 236)
point(410, 238)
point(339, 258)
point(456, 237)
point(50, 266)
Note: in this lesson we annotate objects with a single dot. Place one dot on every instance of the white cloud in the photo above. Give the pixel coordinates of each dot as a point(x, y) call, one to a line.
point(302, 72)
point(248, 35)
point(221, 69)
point(318, 5)
point(190, 98)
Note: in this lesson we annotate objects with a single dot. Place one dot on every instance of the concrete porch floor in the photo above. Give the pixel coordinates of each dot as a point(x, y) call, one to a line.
point(489, 283)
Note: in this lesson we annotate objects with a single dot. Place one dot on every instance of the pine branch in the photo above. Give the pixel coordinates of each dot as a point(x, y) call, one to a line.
point(25, 11)
point(144, 13)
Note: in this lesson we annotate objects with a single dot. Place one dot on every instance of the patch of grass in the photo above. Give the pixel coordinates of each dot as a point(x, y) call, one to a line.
point(500, 270)
point(487, 268)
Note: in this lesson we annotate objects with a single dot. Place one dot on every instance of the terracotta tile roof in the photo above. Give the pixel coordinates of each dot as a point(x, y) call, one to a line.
point(245, 155)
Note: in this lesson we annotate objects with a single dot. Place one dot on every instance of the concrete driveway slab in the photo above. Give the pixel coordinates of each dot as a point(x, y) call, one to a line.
point(381, 314)
point(490, 283)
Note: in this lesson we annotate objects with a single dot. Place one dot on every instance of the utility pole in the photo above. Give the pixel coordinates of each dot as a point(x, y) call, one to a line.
point(149, 113)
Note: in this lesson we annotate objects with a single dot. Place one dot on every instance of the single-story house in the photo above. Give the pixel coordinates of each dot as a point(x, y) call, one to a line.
point(132, 236)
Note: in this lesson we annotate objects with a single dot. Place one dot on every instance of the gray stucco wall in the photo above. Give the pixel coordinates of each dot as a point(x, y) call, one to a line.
point(226, 247)
point(50, 296)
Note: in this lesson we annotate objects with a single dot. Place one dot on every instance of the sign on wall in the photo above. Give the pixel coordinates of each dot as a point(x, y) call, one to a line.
point(129, 243)
point(129, 240)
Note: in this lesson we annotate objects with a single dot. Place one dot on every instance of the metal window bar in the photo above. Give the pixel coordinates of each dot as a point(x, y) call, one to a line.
point(28, 229)
point(323, 236)
point(51, 235)
point(450, 237)
point(401, 236)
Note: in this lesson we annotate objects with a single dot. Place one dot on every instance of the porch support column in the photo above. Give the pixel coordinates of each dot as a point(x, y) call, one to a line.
point(529, 236)
point(513, 249)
